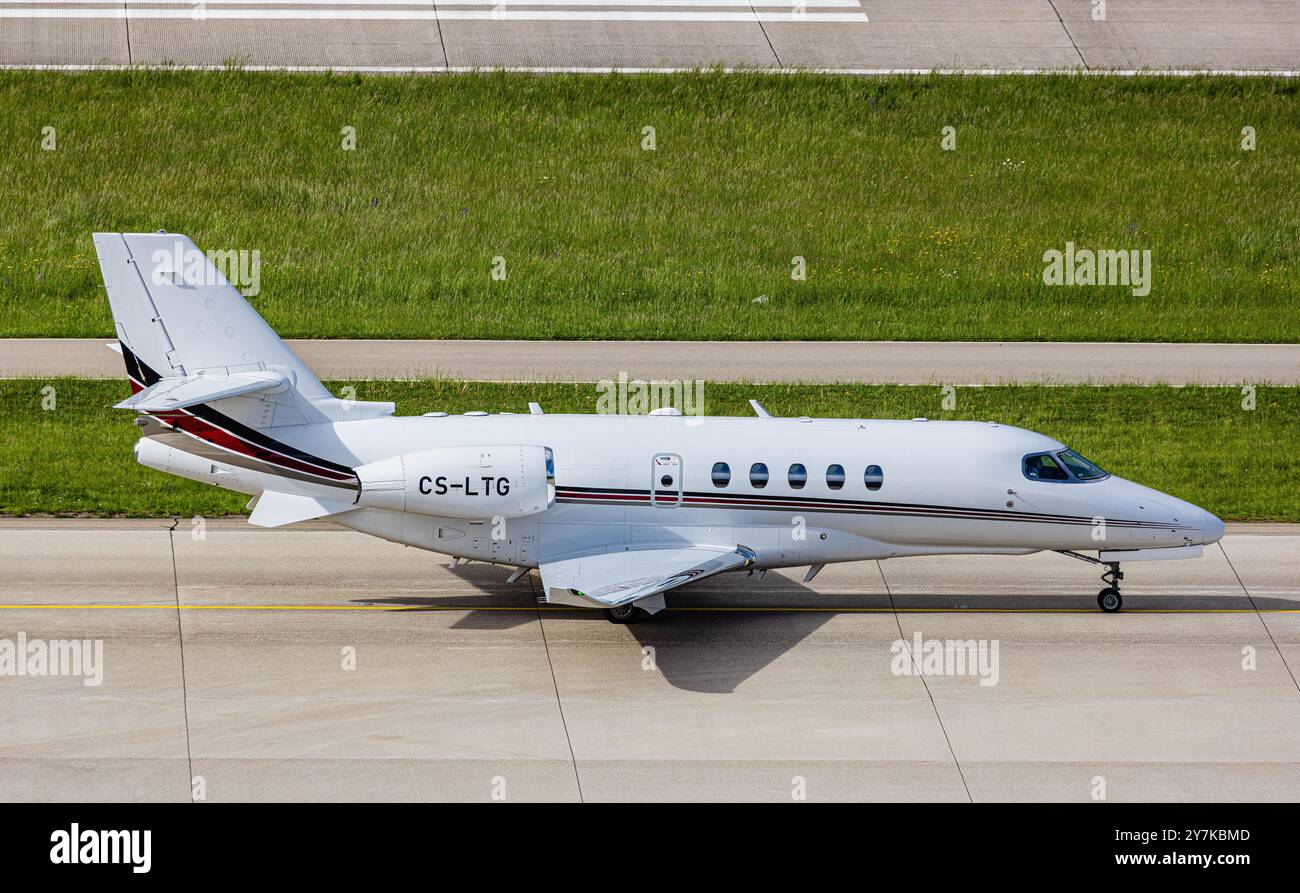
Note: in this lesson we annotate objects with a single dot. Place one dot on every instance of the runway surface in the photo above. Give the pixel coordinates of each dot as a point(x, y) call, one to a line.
point(844, 35)
point(885, 362)
point(223, 659)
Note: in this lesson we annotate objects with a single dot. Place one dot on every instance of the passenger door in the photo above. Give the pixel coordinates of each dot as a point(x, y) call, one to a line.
point(666, 480)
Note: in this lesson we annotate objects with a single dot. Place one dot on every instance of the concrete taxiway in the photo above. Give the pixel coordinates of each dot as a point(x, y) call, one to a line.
point(882, 362)
point(225, 655)
point(840, 35)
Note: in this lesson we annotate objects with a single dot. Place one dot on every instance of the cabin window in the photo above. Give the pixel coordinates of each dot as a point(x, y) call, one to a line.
point(721, 474)
point(1081, 467)
point(873, 477)
point(835, 477)
point(798, 476)
point(1044, 467)
point(758, 475)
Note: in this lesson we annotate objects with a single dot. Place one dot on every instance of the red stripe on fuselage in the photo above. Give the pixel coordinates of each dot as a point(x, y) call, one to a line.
point(194, 426)
point(197, 427)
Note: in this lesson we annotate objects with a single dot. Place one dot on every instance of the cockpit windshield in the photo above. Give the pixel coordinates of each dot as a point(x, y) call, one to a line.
point(1065, 466)
point(1081, 467)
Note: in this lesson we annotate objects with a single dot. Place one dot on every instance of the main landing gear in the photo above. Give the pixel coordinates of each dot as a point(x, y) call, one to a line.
point(1109, 599)
point(626, 614)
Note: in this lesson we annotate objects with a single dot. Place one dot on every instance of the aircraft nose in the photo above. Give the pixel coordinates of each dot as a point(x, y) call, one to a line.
point(1213, 528)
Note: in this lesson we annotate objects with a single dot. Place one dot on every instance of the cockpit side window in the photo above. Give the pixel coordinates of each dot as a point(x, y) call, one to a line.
point(1043, 467)
point(1081, 467)
point(1064, 466)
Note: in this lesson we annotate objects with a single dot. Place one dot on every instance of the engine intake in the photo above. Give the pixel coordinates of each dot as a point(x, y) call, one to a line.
point(472, 482)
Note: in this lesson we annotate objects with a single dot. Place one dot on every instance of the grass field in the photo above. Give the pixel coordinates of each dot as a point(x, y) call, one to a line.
point(696, 239)
point(1196, 443)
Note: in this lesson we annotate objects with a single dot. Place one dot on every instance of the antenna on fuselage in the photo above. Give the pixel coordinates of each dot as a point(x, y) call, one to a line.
point(535, 409)
point(759, 410)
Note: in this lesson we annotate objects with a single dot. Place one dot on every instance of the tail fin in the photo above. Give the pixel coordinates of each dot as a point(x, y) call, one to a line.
point(185, 330)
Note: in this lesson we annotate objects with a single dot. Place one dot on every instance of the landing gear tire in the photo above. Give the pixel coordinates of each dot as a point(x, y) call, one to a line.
point(625, 614)
point(1108, 599)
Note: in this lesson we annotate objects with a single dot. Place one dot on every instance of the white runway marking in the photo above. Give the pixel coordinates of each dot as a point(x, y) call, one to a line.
point(443, 4)
point(506, 14)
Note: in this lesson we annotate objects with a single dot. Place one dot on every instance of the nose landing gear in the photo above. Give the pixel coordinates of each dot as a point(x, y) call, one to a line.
point(1109, 599)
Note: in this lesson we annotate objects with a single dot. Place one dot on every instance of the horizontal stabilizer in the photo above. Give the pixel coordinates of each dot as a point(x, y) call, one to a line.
point(178, 393)
point(619, 578)
point(275, 509)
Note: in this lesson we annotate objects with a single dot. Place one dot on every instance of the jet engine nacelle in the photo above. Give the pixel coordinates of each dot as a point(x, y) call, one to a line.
point(471, 482)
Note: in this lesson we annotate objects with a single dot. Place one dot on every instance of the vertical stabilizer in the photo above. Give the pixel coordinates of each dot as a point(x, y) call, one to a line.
point(179, 318)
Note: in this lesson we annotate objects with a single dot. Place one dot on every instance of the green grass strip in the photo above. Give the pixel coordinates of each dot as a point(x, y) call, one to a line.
point(694, 240)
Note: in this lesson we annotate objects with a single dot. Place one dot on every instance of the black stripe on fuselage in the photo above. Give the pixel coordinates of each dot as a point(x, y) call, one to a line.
point(253, 436)
point(133, 367)
point(760, 502)
point(147, 376)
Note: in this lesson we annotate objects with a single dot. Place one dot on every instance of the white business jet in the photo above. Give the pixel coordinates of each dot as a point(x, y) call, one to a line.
point(614, 510)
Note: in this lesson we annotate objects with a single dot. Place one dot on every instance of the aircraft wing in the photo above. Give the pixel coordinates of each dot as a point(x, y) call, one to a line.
point(611, 579)
point(177, 393)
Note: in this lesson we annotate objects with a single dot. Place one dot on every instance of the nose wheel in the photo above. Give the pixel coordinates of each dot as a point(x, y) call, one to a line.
point(1109, 599)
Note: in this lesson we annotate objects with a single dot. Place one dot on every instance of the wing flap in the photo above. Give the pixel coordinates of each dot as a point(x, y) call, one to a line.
point(611, 579)
point(178, 393)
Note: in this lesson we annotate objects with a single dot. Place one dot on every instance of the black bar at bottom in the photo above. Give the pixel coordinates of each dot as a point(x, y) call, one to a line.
point(548, 843)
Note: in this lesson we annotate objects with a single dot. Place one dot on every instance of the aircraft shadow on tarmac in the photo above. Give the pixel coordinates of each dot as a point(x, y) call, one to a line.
point(695, 651)
point(714, 651)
